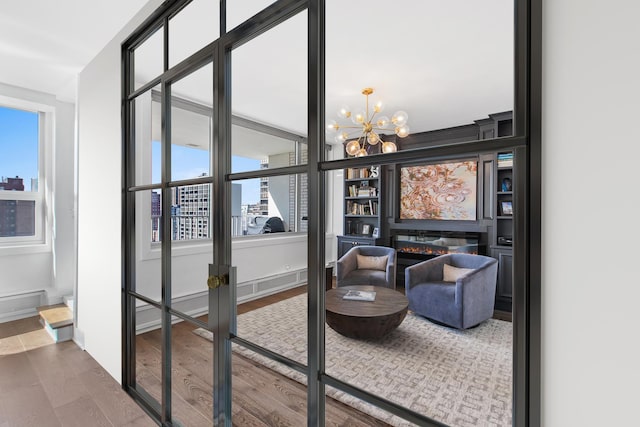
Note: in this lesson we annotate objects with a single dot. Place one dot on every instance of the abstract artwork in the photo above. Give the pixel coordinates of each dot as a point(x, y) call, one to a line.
point(444, 191)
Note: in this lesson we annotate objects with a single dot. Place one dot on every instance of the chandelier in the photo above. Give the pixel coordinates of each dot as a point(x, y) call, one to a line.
point(367, 126)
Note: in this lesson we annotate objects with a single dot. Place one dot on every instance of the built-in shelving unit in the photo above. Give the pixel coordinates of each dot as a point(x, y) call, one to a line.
point(502, 247)
point(362, 191)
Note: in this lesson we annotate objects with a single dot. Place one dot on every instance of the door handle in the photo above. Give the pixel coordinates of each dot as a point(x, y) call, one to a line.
point(214, 282)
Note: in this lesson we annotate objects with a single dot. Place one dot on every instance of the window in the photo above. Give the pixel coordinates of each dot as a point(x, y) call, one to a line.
point(21, 173)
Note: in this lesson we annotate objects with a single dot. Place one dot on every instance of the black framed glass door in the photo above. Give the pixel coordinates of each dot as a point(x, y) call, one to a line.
point(190, 120)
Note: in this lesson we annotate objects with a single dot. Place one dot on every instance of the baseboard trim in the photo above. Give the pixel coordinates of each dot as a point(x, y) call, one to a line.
point(20, 305)
point(196, 304)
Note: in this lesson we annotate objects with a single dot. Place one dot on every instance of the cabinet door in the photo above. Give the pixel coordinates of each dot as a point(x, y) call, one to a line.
point(504, 288)
point(347, 242)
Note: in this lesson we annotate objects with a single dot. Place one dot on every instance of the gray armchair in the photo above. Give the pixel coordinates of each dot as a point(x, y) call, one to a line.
point(366, 265)
point(463, 302)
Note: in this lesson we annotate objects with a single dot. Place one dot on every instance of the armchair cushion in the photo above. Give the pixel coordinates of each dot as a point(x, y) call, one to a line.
point(379, 260)
point(451, 273)
point(372, 262)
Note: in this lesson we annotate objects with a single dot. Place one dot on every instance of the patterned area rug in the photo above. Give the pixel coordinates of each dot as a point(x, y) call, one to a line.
point(461, 378)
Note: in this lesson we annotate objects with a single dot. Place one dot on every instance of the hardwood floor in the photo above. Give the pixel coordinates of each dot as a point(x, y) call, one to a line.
point(47, 384)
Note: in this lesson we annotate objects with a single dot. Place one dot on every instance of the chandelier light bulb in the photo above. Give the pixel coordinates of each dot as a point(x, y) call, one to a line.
point(389, 147)
point(373, 138)
point(383, 121)
point(402, 131)
point(361, 152)
point(352, 147)
point(399, 118)
point(378, 107)
point(332, 126)
point(342, 137)
point(344, 112)
point(358, 117)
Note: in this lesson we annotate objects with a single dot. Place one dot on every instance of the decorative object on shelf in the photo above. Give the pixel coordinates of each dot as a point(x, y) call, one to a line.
point(507, 208)
point(366, 126)
point(376, 232)
point(375, 171)
point(506, 184)
point(366, 229)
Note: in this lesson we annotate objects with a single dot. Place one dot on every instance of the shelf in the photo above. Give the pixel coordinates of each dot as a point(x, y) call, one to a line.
point(360, 216)
point(499, 193)
point(360, 179)
point(505, 217)
point(362, 198)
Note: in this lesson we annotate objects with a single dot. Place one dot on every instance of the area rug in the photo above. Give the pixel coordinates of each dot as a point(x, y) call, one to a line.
point(460, 378)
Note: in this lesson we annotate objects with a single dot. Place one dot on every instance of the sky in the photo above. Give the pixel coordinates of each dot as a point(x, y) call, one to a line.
point(19, 145)
point(189, 162)
point(19, 155)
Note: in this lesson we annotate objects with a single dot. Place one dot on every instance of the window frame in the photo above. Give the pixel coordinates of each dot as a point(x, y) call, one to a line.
point(202, 245)
point(41, 240)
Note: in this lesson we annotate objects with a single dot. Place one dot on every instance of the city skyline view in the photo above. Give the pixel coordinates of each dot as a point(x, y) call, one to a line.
point(19, 155)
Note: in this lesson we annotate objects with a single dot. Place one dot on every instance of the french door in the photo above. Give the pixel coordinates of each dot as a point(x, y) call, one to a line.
point(190, 165)
point(206, 124)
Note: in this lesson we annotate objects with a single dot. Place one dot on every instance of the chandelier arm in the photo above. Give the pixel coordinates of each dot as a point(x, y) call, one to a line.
point(347, 127)
point(382, 128)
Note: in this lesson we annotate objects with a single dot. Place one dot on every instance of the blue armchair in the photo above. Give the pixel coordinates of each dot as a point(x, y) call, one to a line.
point(367, 265)
point(461, 297)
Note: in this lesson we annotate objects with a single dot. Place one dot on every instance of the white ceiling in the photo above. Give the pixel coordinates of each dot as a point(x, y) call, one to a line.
point(445, 63)
point(45, 44)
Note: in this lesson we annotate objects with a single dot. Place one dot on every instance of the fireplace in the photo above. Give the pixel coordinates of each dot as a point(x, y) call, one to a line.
point(428, 244)
point(415, 246)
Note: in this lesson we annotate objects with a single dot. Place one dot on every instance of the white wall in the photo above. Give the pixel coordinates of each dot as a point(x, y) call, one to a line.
point(25, 268)
point(590, 289)
point(99, 201)
point(64, 238)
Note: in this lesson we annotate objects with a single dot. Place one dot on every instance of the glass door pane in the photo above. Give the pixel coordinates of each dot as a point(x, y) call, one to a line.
point(270, 215)
point(192, 213)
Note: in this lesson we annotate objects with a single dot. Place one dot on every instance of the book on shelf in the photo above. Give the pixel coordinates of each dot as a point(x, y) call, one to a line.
point(357, 173)
point(505, 159)
point(362, 208)
point(360, 295)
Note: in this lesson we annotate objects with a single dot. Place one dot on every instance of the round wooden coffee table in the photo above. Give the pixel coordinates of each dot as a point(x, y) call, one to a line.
point(365, 319)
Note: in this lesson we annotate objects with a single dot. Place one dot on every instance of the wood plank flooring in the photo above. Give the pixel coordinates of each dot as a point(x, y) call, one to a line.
point(47, 384)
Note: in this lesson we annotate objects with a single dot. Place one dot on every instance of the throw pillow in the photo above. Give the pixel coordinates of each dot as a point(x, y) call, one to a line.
point(372, 262)
point(451, 273)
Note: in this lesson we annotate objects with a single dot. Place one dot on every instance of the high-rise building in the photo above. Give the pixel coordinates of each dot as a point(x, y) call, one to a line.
point(156, 216)
point(12, 184)
point(17, 217)
point(190, 212)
